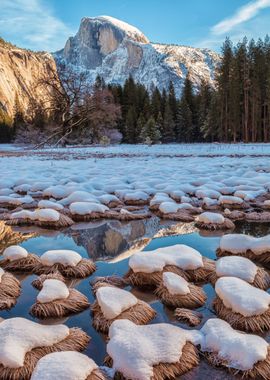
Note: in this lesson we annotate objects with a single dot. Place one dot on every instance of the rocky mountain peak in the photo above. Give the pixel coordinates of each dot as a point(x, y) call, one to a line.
point(115, 50)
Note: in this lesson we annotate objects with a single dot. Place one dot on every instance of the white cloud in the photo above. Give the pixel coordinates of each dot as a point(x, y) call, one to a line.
point(249, 21)
point(242, 15)
point(32, 24)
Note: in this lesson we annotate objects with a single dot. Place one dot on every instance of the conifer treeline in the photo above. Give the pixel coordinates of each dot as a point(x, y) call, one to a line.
point(237, 110)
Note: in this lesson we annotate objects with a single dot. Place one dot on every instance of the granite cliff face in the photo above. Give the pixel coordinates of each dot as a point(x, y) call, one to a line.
point(20, 73)
point(114, 50)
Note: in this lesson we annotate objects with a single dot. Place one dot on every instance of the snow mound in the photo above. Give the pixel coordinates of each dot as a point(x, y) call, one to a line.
point(179, 255)
point(52, 290)
point(114, 301)
point(49, 204)
point(241, 350)
point(61, 256)
point(15, 252)
point(211, 217)
point(175, 284)
point(42, 215)
point(242, 297)
point(78, 196)
point(230, 199)
point(240, 243)
point(136, 349)
point(235, 266)
point(19, 335)
point(136, 196)
point(85, 208)
point(67, 365)
point(2, 272)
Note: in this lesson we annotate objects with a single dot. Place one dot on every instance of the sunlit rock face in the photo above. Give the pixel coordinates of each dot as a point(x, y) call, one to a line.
point(20, 73)
point(115, 50)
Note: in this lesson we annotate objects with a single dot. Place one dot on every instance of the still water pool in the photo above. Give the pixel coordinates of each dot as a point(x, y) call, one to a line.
point(99, 243)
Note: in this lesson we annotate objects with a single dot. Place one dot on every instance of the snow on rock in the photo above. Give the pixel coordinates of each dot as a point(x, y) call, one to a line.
point(242, 351)
point(66, 365)
point(51, 205)
point(231, 200)
point(175, 284)
point(15, 252)
point(19, 335)
point(61, 256)
point(136, 349)
point(2, 272)
point(236, 266)
point(179, 255)
point(53, 290)
point(210, 217)
point(85, 208)
point(242, 297)
point(240, 243)
point(209, 202)
point(113, 301)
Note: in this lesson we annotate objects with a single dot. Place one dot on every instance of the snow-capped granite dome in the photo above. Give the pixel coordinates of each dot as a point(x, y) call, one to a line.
point(115, 50)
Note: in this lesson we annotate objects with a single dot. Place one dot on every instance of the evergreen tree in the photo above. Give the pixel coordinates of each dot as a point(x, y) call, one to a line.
point(184, 124)
point(150, 133)
point(168, 131)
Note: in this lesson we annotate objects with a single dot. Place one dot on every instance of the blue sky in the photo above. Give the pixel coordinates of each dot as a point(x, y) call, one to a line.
point(46, 24)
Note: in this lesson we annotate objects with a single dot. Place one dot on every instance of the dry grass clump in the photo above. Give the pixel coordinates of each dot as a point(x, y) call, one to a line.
point(76, 341)
point(227, 225)
point(64, 221)
point(116, 281)
point(191, 317)
point(26, 264)
point(260, 370)
point(141, 279)
point(141, 314)
point(196, 298)
point(188, 360)
point(82, 270)
point(75, 303)
point(255, 323)
point(10, 290)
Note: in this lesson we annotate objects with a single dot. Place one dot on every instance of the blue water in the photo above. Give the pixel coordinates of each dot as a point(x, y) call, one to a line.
point(97, 346)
